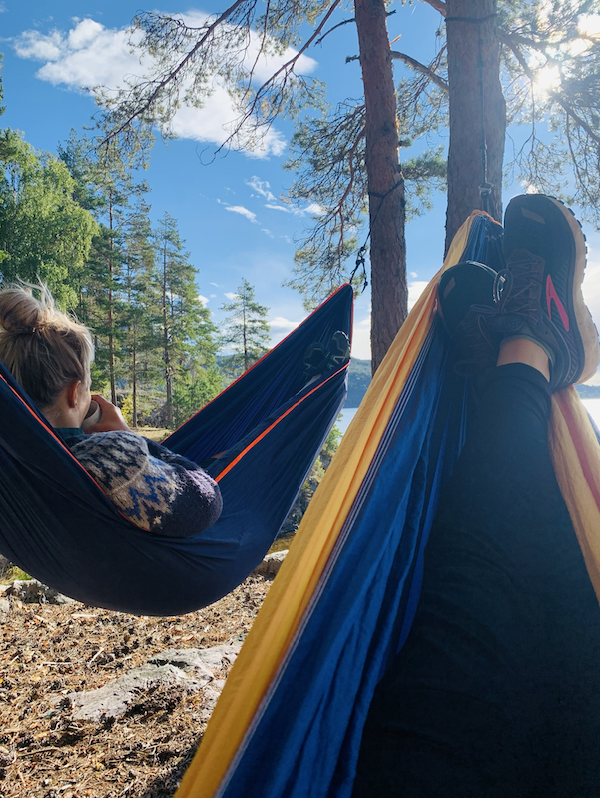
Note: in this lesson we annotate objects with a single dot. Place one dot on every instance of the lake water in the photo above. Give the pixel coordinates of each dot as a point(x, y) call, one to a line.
point(593, 408)
point(591, 405)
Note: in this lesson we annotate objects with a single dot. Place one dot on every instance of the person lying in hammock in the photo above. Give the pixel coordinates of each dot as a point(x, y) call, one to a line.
point(50, 355)
point(496, 691)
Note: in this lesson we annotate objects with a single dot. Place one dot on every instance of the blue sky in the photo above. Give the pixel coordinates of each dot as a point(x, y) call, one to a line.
point(230, 212)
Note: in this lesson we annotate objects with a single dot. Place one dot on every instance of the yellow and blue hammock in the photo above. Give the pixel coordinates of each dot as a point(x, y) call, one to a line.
point(290, 719)
point(57, 524)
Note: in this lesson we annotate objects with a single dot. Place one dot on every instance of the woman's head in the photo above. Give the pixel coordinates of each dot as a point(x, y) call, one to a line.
point(45, 350)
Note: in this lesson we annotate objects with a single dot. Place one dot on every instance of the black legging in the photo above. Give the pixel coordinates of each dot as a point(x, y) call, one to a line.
point(497, 689)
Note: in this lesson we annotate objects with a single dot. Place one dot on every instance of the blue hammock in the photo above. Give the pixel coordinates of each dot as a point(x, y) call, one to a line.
point(58, 525)
point(290, 720)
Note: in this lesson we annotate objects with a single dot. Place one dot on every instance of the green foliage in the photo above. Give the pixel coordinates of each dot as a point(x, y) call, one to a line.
point(333, 440)
point(329, 158)
point(12, 573)
point(127, 410)
point(246, 330)
point(44, 233)
point(187, 333)
point(195, 387)
point(2, 107)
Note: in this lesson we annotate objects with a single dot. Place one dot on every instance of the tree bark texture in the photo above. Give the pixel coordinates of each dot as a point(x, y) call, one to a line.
point(389, 292)
point(465, 169)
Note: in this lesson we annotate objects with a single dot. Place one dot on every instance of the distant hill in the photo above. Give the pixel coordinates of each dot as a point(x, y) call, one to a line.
point(359, 377)
point(588, 391)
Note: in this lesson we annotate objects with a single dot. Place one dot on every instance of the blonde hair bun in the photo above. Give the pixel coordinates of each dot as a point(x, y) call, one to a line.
point(42, 347)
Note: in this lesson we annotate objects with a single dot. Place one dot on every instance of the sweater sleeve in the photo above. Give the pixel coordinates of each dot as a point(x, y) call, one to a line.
point(157, 490)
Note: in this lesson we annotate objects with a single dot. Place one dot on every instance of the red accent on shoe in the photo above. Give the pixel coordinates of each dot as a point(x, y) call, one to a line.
point(552, 295)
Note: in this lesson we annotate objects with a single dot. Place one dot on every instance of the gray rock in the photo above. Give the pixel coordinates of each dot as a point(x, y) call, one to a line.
point(191, 668)
point(31, 591)
point(4, 605)
point(114, 699)
point(269, 567)
point(191, 660)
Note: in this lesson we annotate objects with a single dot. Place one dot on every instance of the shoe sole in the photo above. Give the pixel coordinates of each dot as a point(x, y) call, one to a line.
point(480, 278)
point(536, 209)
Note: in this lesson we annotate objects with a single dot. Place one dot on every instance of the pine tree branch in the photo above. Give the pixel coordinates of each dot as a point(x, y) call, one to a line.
point(564, 104)
point(161, 84)
point(282, 73)
point(439, 5)
point(335, 27)
point(419, 67)
point(517, 38)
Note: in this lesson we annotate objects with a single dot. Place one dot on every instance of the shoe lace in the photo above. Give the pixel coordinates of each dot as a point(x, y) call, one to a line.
point(517, 289)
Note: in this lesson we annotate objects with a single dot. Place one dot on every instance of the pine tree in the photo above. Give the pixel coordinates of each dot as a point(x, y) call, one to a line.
point(140, 313)
point(105, 182)
point(186, 330)
point(246, 331)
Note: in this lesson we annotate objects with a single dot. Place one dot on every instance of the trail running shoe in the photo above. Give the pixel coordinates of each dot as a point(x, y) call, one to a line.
point(314, 361)
point(539, 296)
point(338, 350)
point(465, 301)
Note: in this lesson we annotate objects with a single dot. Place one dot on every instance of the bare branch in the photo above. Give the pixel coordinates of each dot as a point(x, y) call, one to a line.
point(285, 70)
point(438, 5)
point(335, 27)
point(419, 67)
point(517, 38)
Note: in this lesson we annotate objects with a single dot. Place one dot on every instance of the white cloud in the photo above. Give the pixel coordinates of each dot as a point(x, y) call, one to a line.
point(216, 285)
point(314, 209)
point(267, 232)
point(415, 289)
point(361, 339)
point(204, 299)
point(262, 187)
point(281, 328)
point(38, 47)
point(213, 296)
point(231, 296)
point(90, 55)
point(243, 212)
point(283, 324)
point(3, 8)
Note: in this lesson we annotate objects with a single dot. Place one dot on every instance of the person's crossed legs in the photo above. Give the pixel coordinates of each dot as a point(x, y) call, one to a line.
point(497, 689)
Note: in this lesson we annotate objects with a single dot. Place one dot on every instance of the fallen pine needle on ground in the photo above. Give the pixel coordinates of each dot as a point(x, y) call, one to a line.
point(49, 651)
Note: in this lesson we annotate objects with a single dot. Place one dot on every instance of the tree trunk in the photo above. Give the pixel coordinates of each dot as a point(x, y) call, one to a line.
point(167, 354)
point(246, 358)
point(465, 167)
point(134, 379)
point(111, 318)
point(389, 292)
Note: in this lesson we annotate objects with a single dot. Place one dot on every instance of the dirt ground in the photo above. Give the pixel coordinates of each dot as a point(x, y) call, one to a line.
point(49, 651)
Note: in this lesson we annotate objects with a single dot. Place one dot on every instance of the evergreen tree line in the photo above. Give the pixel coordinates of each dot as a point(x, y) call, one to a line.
point(79, 222)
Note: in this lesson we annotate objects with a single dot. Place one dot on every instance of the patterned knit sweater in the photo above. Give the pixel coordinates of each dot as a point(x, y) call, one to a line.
point(158, 490)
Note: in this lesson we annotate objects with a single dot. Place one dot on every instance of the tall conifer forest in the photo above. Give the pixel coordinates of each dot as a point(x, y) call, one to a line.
point(79, 221)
